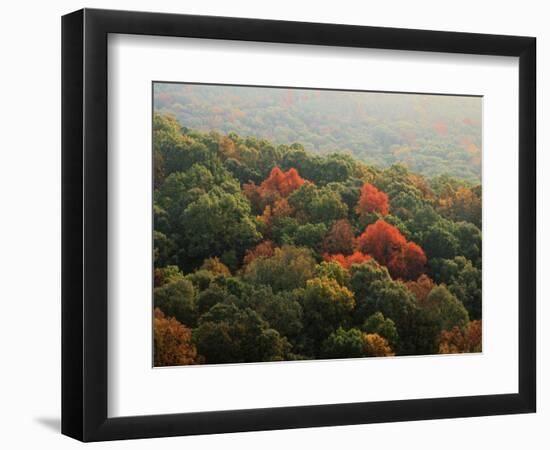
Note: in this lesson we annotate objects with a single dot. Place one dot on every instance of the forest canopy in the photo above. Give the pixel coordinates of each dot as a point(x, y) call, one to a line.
point(429, 134)
point(271, 252)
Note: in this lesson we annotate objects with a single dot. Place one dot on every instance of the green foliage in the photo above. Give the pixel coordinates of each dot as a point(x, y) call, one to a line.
point(313, 204)
point(281, 310)
point(344, 344)
point(289, 268)
point(445, 309)
point(376, 323)
point(334, 271)
point(177, 299)
point(326, 305)
point(216, 222)
point(227, 333)
point(439, 242)
point(463, 280)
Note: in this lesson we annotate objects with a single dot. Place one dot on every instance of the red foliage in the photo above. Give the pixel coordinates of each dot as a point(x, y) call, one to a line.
point(251, 192)
point(282, 183)
point(372, 200)
point(462, 341)
point(341, 238)
point(389, 247)
point(421, 287)
point(415, 261)
point(347, 261)
point(264, 249)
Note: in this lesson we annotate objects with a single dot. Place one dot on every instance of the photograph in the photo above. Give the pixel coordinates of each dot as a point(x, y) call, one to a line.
point(295, 224)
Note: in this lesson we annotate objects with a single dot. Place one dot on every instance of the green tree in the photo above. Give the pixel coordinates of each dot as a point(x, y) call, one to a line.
point(333, 270)
point(216, 222)
point(289, 268)
point(230, 334)
point(177, 299)
point(344, 344)
point(327, 306)
point(445, 309)
point(376, 323)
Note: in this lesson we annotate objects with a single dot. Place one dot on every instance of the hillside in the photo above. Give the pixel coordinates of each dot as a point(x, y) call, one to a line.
point(429, 134)
point(267, 252)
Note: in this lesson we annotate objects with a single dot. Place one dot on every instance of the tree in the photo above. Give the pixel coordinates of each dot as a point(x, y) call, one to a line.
point(378, 324)
point(289, 268)
point(214, 265)
point(281, 310)
point(216, 222)
point(445, 309)
point(177, 299)
point(313, 204)
point(347, 261)
point(264, 249)
point(376, 345)
point(310, 235)
point(327, 306)
point(372, 201)
point(464, 204)
point(344, 344)
point(211, 296)
point(440, 242)
point(461, 341)
point(333, 270)
point(167, 274)
point(281, 183)
point(172, 342)
point(462, 279)
point(341, 238)
point(163, 249)
point(227, 333)
point(375, 291)
point(469, 242)
point(201, 279)
point(421, 287)
point(389, 247)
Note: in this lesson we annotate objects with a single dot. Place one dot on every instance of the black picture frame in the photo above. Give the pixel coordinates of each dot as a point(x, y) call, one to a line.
point(84, 224)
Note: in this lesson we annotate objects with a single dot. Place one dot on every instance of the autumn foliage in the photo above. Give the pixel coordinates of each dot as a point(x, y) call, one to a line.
point(347, 261)
point(172, 342)
point(341, 238)
point(372, 201)
point(264, 249)
point(461, 341)
point(421, 287)
point(376, 345)
point(386, 244)
point(282, 183)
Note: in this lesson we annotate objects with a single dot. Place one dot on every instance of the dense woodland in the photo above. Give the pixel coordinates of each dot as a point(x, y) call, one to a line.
point(270, 252)
point(429, 134)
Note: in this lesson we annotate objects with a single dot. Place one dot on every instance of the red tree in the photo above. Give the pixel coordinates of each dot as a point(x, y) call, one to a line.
point(282, 183)
point(389, 247)
point(341, 238)
point(372, 201)
point(264, 249)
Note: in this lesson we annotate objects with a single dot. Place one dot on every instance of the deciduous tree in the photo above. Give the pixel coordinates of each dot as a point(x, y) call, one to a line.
point(172, 342)
point(372, 201)
point(389, 247)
